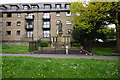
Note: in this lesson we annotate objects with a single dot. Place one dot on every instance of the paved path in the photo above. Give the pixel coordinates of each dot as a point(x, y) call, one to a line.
point(65, 56)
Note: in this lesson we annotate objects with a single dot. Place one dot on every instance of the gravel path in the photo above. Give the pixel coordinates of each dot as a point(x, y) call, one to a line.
point(65, 56)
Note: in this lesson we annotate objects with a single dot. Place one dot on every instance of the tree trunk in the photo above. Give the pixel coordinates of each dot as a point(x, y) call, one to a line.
point(118, 38)
point(87, 45)
point(118, 30)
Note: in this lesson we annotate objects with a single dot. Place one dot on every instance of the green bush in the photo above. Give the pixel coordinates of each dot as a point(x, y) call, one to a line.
point(76, 44)
point(43, 44)
point(5, 46)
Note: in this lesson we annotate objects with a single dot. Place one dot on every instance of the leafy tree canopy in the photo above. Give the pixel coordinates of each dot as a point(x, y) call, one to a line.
point(92, 17)
point(92, 20)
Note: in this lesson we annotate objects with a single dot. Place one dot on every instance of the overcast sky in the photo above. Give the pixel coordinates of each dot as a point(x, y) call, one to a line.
point(31, 1)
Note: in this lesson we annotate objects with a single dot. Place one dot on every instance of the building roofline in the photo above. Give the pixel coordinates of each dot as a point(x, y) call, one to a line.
point(33, 3)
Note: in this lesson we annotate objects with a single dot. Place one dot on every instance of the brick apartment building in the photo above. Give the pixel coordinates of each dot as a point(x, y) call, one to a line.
point(21, 23)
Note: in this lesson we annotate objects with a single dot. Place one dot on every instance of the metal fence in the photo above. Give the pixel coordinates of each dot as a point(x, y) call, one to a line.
point(34, 46)
point(62, 50)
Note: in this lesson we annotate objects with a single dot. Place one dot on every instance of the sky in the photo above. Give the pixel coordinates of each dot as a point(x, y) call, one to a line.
point(31, 1)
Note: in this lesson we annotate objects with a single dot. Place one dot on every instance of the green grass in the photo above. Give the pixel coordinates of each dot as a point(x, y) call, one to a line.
point(33, 67)
point(15, 49)
point(105, 51)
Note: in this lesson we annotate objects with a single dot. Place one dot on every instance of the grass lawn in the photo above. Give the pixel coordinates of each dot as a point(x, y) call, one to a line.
point(15, 49)
point(105, 51)
point(33, 67)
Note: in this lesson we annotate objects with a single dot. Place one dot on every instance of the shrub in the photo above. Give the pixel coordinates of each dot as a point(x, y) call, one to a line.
point(43, 44)
point(5, 46)
point(76, 44)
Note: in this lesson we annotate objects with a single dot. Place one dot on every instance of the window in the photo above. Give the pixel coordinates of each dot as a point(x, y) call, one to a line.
point(69, 31)
point(9, 14)
point(68, 13)
point(46, 24)
point(8, 23)
point(67, 39)
point(58, 22)
point(47, 6)
point(25, 7)
point(68, 22)
point(4, 7)
point(14, 7)
point(54, 39)
point(34, 7)
point(18, 14)
point(8, 32)
point(46, 34)
point(29, 16)
point(58, 6)
point(18, 23)
point(57, 13)
point(18, 32)
point(67, 6)
point(30, 23)
point(29, 34)
point(1, 24)
point(46, 15)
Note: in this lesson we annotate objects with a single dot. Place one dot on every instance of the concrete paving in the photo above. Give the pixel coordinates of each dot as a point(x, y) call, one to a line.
point(75, 56)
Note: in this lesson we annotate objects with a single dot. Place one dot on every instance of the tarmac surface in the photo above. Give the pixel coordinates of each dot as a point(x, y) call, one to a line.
point(74, 56)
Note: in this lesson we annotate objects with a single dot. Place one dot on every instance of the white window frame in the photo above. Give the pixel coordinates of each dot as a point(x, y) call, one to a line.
point(29, 34)
point(57, 13)
point(46, 24)
point(58, 6)
point(54, 39)
point(69, 31)
point(14, 7)
point(46, 15)
point(47, 6)
point(25, 7)
point(18, 23)
point(17, 32)
point(18, 14)
point(34, 7)
point(67, 6)
point(8, 23)
point(68, 14)
point(66, 39)
point(7, 33)
point(46, 33)
point(68, 22)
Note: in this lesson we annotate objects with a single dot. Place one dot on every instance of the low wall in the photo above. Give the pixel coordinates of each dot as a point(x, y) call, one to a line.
point(15, 42)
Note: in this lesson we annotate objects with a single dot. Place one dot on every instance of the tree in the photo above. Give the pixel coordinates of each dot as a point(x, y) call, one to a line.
point(90, 20)
point(118, 27)
point(111, 34)
point(43, 44)
point(115, 14)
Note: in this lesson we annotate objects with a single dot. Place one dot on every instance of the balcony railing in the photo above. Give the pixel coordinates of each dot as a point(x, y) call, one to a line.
point(29, 27)
point(46, 17)
point(29, 17)
point(46, 35)
point(46, 26)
